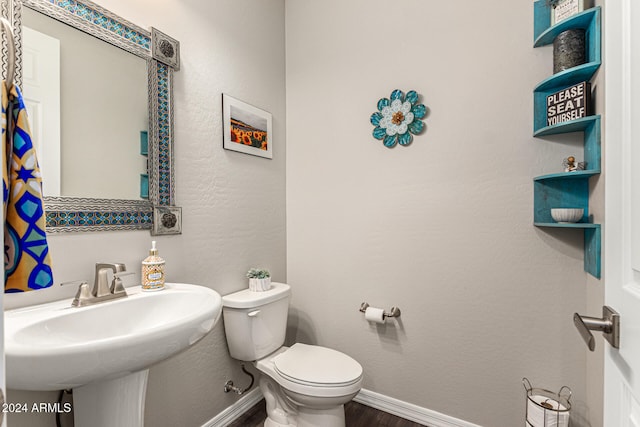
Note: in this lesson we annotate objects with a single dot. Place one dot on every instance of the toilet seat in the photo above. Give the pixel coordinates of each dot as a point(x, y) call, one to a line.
point(317, 366)
point(307, 371)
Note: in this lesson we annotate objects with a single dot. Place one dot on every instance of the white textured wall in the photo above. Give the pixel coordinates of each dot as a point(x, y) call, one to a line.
point(233, 204)
point(442, 228)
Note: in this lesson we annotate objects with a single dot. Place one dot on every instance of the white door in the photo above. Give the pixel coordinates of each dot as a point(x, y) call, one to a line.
point(41, 93)
point(622, 209)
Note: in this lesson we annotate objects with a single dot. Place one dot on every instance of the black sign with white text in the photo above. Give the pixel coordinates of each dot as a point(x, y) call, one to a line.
point(569, 104)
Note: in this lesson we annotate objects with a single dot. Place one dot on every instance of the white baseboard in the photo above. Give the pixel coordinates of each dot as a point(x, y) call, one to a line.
point(236, 410)
point(378, 401)
point(408, 411)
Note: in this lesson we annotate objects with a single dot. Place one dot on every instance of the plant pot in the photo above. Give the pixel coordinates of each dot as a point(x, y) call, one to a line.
point(260, 285)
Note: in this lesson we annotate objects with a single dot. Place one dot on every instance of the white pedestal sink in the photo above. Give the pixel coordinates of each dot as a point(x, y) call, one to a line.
point(104, 351)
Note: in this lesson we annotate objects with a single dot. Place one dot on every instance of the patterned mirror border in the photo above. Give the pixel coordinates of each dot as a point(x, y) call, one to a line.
point(67, 214)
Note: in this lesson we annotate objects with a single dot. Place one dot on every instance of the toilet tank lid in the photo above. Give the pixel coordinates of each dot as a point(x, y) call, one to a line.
point(249, 299)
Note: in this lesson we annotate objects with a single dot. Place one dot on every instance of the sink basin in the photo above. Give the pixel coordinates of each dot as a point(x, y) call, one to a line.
point(55, 346)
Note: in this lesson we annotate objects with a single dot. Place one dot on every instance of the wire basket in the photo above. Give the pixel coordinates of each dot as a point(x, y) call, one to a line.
point(546, 408)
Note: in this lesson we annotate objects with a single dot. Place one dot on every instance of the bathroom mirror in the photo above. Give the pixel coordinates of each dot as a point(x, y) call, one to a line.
point(56, 81)
point(128, 171)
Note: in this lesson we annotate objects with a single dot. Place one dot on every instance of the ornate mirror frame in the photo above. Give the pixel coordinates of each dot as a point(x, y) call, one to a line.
point(162, 54)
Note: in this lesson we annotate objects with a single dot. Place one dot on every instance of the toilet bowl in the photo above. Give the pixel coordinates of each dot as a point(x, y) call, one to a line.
point(303, 385)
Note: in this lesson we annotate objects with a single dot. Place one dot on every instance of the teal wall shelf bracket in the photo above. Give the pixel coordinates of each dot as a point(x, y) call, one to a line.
point(592, 244)
point(591, 127)
point(592, 250)
point(544, 33)
point(144, 143)
point(566, 78)
point(560, 193)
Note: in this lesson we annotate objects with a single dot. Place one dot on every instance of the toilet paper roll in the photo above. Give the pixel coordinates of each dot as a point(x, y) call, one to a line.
point(545, 412)
point(375, 315)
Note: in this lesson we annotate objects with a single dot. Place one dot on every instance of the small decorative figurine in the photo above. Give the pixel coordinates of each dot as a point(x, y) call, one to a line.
point(570, 164)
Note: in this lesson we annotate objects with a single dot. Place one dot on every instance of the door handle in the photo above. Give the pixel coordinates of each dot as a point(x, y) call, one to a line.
point(609, 325)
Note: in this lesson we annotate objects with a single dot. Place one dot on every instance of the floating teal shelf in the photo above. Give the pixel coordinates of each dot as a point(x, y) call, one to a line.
point(591, 126)
point(592, 244)
point(144, 142)
point(572, 225)
point(586, 174)
point(569, 189)
point(578, 125)
point(544, 33)
point(566, 78)
point(144, 186)
point(589, 20)
point(560, 192)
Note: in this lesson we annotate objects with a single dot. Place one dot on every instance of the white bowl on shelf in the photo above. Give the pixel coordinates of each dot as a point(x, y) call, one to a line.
point(567, 215)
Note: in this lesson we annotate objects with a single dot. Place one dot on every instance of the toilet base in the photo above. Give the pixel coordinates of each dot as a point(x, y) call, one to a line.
point(313, 418)
point(282, 412)
point(333, 417)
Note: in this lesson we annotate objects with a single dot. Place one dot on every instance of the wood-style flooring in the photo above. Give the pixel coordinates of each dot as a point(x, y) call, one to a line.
point(356, 415)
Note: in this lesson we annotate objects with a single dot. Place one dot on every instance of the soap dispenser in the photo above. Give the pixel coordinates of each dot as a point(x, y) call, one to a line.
point(153, 271)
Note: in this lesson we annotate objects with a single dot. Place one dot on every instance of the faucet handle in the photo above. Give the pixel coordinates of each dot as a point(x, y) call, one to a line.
point(73, 282)
point(116, 284)
point(82, 296)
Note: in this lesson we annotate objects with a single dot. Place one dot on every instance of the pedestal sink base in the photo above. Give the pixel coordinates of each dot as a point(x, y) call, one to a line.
point(118, 402)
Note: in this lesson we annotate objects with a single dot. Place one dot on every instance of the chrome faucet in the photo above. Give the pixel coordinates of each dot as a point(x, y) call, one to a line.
point(101, 290)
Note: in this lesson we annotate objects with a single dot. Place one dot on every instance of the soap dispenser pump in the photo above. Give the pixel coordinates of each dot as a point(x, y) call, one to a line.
point(153, 270)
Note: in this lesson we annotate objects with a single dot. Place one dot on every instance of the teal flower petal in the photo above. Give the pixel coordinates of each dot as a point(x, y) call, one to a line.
point(375, 118)
point(390, 141)
point(412, 97)
point(379, 133)
point(405, 139)
point(397, 94)
point(384, 102)
point(419, 111)
point(416, 127)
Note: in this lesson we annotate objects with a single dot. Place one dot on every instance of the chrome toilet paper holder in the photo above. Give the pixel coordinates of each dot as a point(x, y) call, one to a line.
point(394, 312)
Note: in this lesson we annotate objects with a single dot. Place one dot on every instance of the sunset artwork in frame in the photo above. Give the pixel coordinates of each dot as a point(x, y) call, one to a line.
point(247, 129)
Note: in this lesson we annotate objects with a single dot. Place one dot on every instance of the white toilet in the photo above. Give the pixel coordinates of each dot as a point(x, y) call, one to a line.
point(303, 385)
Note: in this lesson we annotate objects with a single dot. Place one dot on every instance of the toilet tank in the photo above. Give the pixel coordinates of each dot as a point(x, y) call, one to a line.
point(255, 322)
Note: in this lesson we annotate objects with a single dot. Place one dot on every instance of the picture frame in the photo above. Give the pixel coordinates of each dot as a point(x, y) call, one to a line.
point(246, 129)
point(563, 9)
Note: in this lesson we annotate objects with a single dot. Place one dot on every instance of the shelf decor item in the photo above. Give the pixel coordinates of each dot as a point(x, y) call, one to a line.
point(563, 9)
point(568, 104)
point(570, 164)
point(569, 50)
point(247, 129)
point(397, 118)
point(567, 215)
point(259, 280)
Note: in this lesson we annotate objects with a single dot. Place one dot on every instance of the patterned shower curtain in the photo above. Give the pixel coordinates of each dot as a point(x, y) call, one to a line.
point(26, 254)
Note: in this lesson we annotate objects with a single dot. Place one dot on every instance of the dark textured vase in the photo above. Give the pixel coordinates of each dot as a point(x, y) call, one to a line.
point(569, 50)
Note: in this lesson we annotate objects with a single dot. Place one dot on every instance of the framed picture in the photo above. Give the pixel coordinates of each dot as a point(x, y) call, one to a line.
point(563, 9)
point(247, 129)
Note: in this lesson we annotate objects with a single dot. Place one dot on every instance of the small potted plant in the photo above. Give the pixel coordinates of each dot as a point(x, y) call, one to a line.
point(259, 279)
